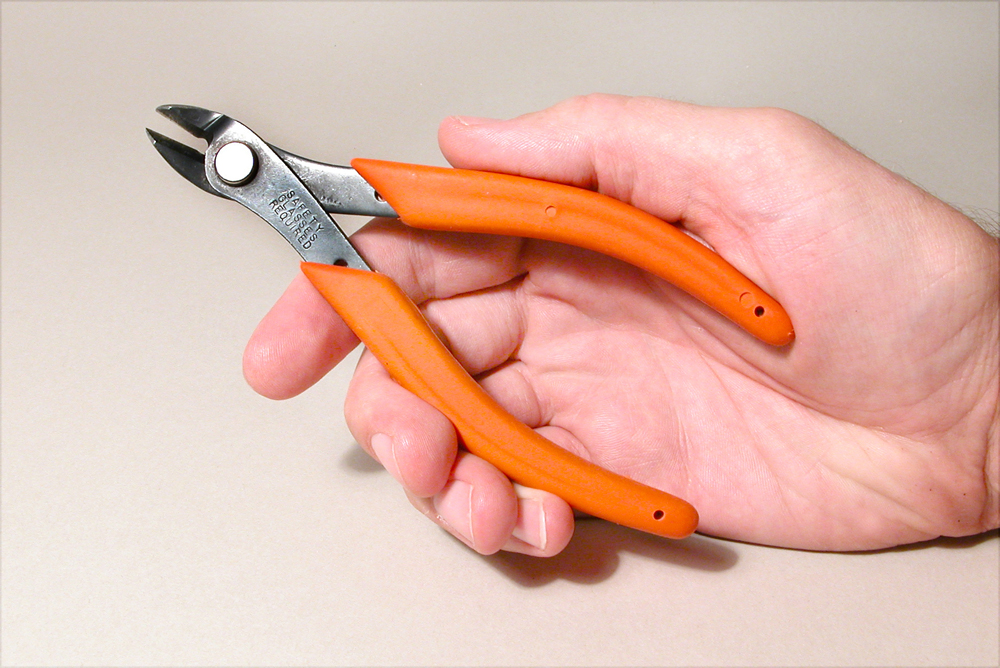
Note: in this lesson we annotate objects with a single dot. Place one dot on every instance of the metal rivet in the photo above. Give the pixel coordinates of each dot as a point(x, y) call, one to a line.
point(235, 163)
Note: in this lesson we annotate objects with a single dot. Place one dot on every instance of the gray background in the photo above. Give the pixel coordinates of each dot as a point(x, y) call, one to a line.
point(157, 512)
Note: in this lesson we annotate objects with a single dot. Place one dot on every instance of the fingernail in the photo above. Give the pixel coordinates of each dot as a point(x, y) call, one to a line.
point(453, 505)
point(385, 450)
point(473, 120)
point(530, 525)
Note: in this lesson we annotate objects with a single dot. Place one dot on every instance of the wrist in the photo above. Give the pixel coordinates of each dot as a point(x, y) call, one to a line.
point(991, 512)
point(991, 472)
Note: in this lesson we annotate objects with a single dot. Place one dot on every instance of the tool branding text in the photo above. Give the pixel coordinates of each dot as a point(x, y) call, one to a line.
point(295, 215)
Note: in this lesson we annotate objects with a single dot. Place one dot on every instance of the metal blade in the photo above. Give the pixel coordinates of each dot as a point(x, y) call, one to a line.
point(185, 160)
point(195, 120)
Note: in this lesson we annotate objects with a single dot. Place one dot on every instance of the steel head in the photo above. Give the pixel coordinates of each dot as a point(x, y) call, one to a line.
point(265, 184)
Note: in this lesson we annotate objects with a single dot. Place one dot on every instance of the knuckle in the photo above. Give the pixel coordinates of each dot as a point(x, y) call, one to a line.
point(591, 105)
point(780, 136)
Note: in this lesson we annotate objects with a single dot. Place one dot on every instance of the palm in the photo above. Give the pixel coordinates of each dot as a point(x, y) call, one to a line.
point(765, 442)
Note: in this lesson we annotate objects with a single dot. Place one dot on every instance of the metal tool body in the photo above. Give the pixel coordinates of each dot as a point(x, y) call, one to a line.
point(272, 189)
point(294, 195)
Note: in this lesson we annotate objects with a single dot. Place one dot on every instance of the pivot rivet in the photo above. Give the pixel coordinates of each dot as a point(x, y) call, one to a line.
point(235, 163)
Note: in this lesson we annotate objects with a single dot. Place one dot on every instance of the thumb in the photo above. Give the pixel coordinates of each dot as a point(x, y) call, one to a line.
point(761, 186)
point(706, 168)
point(717, 173)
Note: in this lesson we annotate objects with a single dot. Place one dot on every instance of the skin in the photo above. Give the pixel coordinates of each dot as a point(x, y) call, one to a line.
point(877, 427)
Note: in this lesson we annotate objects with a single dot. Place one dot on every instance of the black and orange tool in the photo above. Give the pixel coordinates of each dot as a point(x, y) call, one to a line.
point(295, 196)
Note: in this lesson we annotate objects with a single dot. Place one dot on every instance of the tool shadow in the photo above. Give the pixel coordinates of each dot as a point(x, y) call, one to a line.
point(595, 552)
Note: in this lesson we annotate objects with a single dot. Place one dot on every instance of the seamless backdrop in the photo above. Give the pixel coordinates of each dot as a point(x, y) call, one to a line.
point(156, 512)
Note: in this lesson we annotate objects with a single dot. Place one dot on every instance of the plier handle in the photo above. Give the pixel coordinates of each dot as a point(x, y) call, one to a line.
point(295, 195)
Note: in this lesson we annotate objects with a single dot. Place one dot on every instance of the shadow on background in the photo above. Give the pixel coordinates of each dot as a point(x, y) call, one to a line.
point(594, 553)
point(357, 460)
point(945, 542)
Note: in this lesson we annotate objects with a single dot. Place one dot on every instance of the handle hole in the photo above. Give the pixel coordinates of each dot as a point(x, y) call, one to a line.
point(658, 515)
point(759, 311)
point(340, 262)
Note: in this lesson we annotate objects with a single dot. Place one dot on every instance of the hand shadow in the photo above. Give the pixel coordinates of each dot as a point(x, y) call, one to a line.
point(942, 542)
point(593, 555)
point(357, 460)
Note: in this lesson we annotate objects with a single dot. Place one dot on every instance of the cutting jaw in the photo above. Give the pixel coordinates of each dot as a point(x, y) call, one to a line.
point(240, 166)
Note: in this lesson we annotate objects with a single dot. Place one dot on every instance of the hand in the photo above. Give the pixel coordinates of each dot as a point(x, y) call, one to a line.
point(876, 427)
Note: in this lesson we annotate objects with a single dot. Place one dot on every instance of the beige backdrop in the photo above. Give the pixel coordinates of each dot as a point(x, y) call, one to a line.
point(156, 512)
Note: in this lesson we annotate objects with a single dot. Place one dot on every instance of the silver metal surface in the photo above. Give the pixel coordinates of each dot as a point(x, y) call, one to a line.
point(338, 189)
point(274, 192)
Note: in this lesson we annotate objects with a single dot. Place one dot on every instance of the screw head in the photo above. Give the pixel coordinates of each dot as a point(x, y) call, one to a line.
point(235, 163)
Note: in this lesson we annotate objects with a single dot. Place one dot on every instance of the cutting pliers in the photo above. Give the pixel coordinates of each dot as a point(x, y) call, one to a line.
point(295, 195)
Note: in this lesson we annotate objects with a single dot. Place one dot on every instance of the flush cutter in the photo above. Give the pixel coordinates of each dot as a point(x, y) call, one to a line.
point(295, 196)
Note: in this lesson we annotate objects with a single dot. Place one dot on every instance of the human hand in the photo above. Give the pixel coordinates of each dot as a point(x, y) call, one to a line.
point(878, 426)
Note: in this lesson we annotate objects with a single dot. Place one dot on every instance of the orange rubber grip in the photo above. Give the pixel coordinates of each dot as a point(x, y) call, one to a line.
point(458, 200)
point(393, 328)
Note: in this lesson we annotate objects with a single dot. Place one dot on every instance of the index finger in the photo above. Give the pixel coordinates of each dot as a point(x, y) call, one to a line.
point(302, 338)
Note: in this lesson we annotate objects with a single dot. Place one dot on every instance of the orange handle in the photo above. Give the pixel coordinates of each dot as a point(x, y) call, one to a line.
point(394, 330)
point(436, 198)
